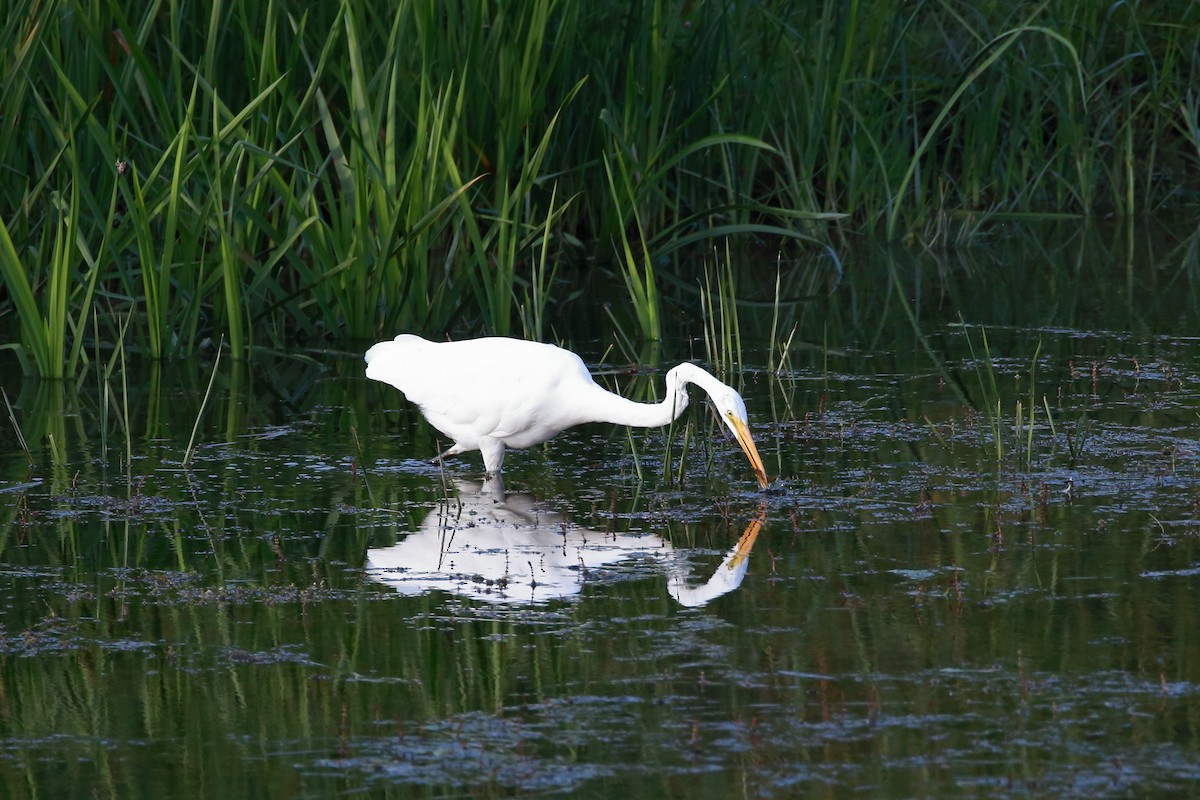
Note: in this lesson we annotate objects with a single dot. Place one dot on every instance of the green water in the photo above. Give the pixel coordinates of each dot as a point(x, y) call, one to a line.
point(925, 611)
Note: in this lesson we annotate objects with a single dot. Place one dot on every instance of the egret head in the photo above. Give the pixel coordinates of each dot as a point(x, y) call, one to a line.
point(732, 409)
point(729, 405)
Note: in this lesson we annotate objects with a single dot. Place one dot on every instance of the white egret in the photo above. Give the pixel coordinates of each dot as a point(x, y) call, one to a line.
point(493, 393)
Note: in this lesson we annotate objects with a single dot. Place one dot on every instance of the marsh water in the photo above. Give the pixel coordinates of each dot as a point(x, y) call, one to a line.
point(975, 573)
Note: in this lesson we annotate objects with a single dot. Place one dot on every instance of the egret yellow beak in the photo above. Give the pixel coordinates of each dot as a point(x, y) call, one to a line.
point(747, 442)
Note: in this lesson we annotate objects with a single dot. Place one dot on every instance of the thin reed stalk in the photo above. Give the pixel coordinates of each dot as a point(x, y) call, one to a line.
point(191, 445)
point(12, 418)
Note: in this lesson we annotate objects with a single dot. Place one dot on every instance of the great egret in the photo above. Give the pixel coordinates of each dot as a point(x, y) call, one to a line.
point(492, 393)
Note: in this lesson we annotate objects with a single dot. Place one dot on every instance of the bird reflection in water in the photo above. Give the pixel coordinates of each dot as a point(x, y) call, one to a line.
point(501, 548)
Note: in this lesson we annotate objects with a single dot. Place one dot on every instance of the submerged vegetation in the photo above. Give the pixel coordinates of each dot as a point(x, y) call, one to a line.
point(270, 174)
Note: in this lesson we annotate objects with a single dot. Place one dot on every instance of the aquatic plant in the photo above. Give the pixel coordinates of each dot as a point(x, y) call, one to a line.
point(719, 309)
point(347, 170)
point(637, 265)
point(51, 325)
point(990, 401)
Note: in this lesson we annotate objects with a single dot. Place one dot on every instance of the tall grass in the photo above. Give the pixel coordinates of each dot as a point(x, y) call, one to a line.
point(270, 173)
point(63, 271)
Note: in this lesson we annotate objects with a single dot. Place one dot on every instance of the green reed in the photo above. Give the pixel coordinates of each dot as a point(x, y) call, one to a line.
point(985, 374)
point(988, 56)
point(12, 418)
point(1024, 419)
point(351, 170)
point(719, 308)
point(637, 266)
point(540, 285)
point(51, 326)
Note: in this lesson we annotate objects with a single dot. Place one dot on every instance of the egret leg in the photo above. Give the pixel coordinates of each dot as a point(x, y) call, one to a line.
point(441, 457)
point(493, 455)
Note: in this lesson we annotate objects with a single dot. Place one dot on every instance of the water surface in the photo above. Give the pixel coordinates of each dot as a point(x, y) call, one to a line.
point(942, 595)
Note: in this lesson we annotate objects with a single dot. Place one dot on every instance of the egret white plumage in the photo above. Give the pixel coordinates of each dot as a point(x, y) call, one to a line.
point(494, 393)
